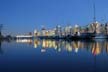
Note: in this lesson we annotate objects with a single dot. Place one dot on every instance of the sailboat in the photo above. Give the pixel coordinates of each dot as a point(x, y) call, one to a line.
point(98, 33)
point(106, 30)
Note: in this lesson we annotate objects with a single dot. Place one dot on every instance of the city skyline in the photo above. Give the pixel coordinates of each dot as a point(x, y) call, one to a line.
point(23, 16)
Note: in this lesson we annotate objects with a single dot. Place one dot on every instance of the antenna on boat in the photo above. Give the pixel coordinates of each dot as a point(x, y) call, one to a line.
point(94, 7)
point(94, 16)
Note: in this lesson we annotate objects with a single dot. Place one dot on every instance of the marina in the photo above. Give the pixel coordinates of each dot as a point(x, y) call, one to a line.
point(53, 55)
point(77, 32)
point(53, 35)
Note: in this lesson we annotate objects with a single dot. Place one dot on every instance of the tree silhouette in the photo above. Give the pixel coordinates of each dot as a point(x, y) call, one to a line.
point(1, 27)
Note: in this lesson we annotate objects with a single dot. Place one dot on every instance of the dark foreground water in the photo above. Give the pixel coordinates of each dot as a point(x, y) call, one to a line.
point(53, 56)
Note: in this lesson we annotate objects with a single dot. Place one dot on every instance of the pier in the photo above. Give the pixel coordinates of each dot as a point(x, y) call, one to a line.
point(24, 36)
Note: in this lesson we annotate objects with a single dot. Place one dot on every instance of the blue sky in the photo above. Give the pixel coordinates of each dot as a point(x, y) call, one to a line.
point(23, 16)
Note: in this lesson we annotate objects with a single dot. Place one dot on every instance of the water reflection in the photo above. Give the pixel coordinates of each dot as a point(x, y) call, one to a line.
point(1, 51)
point(95, 47)
point(29, 41)
point(1, 42)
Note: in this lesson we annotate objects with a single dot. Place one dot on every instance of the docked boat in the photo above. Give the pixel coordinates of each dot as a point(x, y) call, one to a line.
point(84, 36)
point(100, 36)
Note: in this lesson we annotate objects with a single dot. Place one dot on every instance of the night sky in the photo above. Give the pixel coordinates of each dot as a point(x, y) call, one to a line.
point(23, 16)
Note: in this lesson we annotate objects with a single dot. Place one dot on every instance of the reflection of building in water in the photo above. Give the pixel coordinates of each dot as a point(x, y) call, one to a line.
point(29, 41)
point(95, 47)
point(76, 45)
point(47, 44)
point(68, 47)
point(60, 45)
point(106, 46)
point(52, 44)
point(36, 43)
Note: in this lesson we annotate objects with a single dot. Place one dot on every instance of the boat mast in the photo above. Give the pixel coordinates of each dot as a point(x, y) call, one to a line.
point(94, 18)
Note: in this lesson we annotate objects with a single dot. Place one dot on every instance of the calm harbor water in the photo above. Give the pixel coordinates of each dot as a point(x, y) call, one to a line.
point(26, 55)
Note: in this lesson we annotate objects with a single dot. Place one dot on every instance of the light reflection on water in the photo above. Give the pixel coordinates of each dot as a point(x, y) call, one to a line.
point(53, 55)
point(95, 47)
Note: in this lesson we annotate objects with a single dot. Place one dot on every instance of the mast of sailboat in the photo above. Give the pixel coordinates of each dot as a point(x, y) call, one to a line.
point(94, 7)
point(94, 16)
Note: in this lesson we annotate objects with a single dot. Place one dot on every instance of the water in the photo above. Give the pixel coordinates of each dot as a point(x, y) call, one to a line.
point(53, 55)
